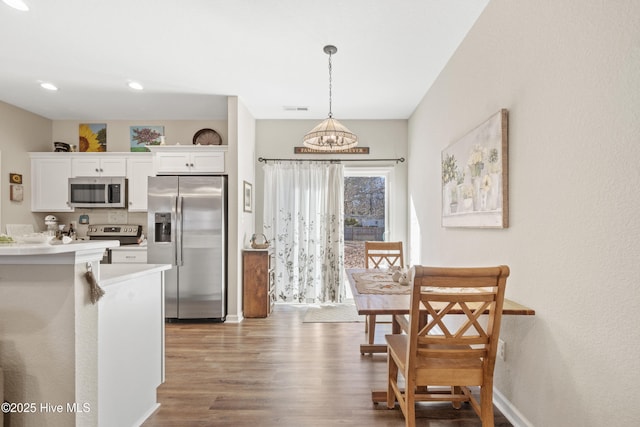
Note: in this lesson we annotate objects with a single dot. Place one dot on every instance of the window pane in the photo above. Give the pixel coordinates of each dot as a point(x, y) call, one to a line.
point(364, 215)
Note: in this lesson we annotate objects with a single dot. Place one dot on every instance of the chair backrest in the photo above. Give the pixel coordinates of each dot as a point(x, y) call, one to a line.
point(383, 254)
point(470, 292)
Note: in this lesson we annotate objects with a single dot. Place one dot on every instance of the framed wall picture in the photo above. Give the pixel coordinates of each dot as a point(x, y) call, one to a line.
point(93, 137)
point(142, 136)
point(16, 193)
point(15, 178)
point(475, 178)
point(248, 197)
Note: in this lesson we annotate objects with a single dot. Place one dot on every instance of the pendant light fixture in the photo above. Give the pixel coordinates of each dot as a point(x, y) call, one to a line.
point(330, 135)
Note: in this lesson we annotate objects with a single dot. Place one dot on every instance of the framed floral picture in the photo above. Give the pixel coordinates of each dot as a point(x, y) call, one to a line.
point(143, 136)
point(474, 177)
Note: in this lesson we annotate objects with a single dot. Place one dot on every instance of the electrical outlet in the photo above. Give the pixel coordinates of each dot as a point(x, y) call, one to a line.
point(501, 349)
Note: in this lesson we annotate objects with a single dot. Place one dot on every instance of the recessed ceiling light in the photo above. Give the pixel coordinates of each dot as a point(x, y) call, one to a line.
point(48, 86)
point(135, 86)
point(17, 4)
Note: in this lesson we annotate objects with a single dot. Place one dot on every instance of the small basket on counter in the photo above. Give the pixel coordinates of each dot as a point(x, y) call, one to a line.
point(259, 241)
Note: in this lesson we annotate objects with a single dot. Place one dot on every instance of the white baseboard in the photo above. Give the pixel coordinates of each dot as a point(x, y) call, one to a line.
point(233, 318)
point(144, 417)
point(509, 411)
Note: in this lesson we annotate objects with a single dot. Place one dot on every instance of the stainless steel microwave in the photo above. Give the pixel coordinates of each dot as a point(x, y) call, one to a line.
point(97, 192)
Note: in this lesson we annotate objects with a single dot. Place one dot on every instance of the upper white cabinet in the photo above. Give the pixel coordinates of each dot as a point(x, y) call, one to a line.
point(184, 159)
point(139, 169)
point(50, 174)
point(99, 165)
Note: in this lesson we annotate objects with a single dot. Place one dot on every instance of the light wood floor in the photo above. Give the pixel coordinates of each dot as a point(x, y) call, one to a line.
point(281, 372)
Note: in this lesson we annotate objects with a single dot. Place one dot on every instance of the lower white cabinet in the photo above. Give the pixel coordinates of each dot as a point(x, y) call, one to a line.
point(130, 362)
point(123, 255)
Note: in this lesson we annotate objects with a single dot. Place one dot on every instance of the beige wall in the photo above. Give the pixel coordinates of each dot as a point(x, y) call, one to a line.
point(175, 131)
point(118, 140)
point(569, 74)
point(20, 132)
point(385, 138)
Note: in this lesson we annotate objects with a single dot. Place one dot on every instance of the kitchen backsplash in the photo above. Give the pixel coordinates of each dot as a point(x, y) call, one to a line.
point(97, 216)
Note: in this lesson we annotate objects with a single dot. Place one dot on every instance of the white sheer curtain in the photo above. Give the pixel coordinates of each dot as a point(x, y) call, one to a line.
point(303, 219)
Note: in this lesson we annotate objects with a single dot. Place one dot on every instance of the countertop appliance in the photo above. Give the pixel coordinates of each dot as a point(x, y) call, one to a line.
point(126, 234)
point(187, 227)
point(97, 192)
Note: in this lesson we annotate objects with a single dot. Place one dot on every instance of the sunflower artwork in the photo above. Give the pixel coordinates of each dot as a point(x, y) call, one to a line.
point(93, 137)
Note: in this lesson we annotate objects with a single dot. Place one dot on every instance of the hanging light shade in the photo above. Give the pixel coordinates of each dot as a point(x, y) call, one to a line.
point(330, 135)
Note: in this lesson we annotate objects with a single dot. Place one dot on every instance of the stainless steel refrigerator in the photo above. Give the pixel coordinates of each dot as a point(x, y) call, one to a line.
point(187, 228)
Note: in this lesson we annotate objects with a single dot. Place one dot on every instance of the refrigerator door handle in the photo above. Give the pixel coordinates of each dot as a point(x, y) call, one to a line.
point(179, 227)
point(174, 231)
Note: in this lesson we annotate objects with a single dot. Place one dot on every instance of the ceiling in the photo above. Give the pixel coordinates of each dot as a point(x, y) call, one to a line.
point(191, 54)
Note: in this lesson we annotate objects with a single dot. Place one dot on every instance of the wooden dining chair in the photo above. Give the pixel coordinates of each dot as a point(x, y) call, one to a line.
point(380, 255)
point(383, 254)
point(435, 354)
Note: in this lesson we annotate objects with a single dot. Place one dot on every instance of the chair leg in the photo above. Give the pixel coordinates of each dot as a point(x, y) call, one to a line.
point(410, 406)
point(392, 378)
point(372, 328)
point(456, 390)
point(486, 405)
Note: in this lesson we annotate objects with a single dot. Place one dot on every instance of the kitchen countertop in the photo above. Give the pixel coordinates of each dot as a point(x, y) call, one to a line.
point(13, 249)
point(44, 291)
point(115, 273)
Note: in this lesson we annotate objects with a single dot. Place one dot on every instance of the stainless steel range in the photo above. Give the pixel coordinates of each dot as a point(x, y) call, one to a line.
point(126, 234)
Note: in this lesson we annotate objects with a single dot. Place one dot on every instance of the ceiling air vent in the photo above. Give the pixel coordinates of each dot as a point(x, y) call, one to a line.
point(293, 108)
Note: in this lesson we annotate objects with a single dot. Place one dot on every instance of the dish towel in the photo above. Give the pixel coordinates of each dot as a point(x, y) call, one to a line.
point(95, 291)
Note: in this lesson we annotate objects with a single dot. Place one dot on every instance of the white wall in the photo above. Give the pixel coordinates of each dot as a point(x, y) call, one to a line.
point(241, 129)
point(569, 74)
point(20, 132)
point(385, 138)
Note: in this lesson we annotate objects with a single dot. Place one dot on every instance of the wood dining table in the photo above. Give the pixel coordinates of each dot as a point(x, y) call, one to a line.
point(374, 292)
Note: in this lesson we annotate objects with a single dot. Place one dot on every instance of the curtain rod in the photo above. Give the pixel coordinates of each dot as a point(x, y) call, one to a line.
point(398, 160)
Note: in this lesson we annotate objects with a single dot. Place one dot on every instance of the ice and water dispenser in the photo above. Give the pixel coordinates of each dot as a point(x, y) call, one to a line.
point(163, 227)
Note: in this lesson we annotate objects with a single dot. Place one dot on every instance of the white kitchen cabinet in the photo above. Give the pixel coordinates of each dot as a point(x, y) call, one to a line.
point(123, 255)
point(176, 159)
point(139, 169)
point(99, 166)
point(50, 174)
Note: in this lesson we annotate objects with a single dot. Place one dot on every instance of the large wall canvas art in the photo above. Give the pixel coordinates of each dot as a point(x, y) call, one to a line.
point(474, 177)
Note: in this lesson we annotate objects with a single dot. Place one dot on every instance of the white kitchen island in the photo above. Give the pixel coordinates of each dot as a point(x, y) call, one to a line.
point(66, 361)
